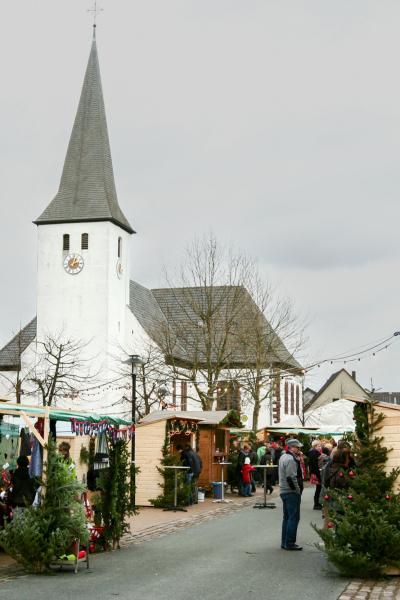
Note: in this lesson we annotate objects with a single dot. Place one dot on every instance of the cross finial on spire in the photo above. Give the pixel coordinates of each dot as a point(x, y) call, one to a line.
point(95, 10)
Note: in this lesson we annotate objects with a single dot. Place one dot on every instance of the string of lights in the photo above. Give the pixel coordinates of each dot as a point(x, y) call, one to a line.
point(366, 351)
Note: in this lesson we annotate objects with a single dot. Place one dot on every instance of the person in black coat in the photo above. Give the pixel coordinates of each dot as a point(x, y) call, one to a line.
point(22, 487)
point(315, 474)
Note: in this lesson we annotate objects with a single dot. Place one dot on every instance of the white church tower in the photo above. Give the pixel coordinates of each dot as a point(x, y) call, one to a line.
point(83, 240)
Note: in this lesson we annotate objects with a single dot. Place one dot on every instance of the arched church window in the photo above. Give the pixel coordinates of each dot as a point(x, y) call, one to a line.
point(66, 241)
point(119, 247)
point(84, 241)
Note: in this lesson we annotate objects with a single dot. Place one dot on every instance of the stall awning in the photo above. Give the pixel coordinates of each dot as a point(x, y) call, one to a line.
point(58, 414)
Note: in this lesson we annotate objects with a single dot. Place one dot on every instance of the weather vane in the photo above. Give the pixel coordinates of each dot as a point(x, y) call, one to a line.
point(96, 10)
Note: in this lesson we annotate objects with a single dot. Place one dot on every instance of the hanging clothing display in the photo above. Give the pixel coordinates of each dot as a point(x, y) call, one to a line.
point(36, 465)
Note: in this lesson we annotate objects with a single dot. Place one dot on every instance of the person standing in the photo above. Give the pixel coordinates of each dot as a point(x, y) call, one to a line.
point(315, 474)
point(243, 454)
point(191, 459)
point(247, 469)
point(291, 488)
point(23, 487)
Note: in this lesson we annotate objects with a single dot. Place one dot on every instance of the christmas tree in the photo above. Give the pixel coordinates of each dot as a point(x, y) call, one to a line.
point(115, 484)
point(37, 536)
point(363, 535)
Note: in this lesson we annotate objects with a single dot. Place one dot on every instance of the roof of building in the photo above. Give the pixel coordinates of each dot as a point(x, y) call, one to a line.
point(328, 383)
point(10, 354)
point(87, 188)
point(205, 417)
point(182, 307)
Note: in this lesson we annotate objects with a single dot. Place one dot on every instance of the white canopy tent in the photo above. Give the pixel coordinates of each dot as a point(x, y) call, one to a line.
point(334, 417)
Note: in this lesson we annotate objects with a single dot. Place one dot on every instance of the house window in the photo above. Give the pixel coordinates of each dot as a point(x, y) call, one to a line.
point(119, 247)
point(66, 242)
point(174, 393)
point(183, 395)
point(292, 398)
point(297, 399)
point(84, 241)
point(228, 395)
point(286, 398)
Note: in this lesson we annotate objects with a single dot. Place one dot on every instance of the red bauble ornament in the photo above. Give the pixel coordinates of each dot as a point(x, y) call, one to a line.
point(388, 497)
point(352, 474)
point(330, 525)
point(341, 474)
point(327, 497)
point(349, 497)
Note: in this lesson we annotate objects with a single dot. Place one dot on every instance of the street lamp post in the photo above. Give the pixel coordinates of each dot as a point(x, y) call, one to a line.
point(135, 361)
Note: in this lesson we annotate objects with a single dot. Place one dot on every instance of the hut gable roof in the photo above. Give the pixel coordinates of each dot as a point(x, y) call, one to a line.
point(205, 417)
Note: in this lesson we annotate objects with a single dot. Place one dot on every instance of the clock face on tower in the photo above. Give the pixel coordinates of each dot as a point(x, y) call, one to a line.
point(119, 269)
point(73, 263)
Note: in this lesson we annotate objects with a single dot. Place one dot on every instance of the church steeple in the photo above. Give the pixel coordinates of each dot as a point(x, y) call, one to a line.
point(87, 188)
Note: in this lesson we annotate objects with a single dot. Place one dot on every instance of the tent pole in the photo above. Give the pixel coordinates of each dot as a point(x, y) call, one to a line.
point(46, 436)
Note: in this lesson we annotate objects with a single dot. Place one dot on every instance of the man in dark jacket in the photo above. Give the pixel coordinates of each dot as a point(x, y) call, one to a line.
point(191, 459)
point(291, 488)
point(23, 488)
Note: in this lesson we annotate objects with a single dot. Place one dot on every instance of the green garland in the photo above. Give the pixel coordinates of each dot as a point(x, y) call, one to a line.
point(115, 485)
point(232, 419)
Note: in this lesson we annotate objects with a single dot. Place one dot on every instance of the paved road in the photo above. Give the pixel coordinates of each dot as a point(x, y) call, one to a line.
point(230, 558)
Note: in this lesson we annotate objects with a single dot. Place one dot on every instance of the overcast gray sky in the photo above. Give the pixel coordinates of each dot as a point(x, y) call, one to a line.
point(274, 123)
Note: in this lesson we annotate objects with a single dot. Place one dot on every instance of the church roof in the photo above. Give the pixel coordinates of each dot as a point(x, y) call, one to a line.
point(87, 188)
point(10, 354)
point(174, 312)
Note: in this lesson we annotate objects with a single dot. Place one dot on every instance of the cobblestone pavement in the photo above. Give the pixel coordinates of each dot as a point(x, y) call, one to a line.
point(162, 529)
point(356, 590)
point(372, 590)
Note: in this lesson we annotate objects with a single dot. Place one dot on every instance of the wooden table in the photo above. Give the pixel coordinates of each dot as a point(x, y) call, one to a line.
point(175, 506)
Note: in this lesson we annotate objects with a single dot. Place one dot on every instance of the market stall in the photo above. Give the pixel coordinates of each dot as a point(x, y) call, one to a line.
point(157, 431)
point(38, 420)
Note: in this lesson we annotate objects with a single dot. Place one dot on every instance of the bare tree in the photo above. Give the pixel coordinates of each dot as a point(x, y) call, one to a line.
point(61, 371)
point(203, 306)
point(271, 337)
point(152, 379)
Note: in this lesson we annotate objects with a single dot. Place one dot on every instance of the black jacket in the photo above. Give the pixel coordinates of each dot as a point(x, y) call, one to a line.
point(191, 459)
point(23, 488)
point(313, 466)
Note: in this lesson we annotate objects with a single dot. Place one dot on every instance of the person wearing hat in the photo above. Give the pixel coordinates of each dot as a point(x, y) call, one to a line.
point(291, 488)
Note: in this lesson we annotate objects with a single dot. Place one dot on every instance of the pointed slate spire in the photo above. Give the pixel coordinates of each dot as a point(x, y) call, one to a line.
point(87, 189)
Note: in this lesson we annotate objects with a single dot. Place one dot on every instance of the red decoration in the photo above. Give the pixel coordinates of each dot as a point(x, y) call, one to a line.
point(330, 525)
point(352, 474)
point(92, 548)
point(341, 474)
point(388, 497)
point(349, 497)
point(327, 497)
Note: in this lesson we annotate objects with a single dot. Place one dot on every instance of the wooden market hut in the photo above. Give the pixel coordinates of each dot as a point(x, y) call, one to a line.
point(213, 446)
point(161, 426)
point(389, 431)
point(203, 430)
